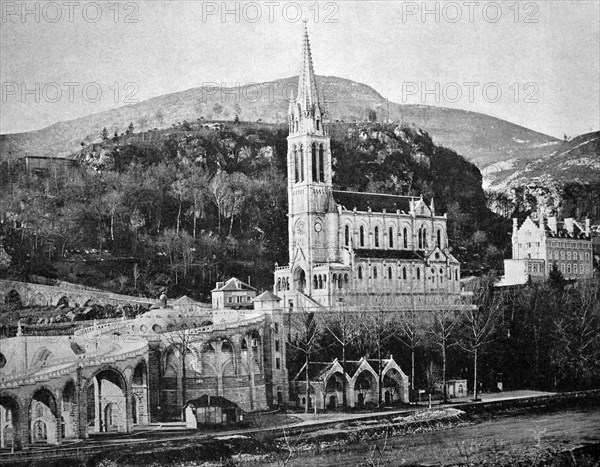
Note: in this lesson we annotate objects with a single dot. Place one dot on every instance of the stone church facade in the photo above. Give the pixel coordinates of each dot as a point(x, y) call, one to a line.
point(343, 242)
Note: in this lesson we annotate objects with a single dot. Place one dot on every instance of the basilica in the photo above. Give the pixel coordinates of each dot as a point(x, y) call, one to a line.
point(344, 243)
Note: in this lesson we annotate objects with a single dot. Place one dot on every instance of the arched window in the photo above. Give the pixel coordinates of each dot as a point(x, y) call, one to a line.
point(321, 162)
point(301, 163)
point(391, 237)
point(347, 235)
point(439, 238)
point(360, 272)
point(456, 274)
point(390, 272)
point(314, 163)
point(318, 125)
point(418, 273)
point(376, 237)
point(296, 165)
point(362, 235)
point(374, 272)
point(404, 273)
point(320, 281)
point(315, 282)
point(278, 284)
point(405, 237)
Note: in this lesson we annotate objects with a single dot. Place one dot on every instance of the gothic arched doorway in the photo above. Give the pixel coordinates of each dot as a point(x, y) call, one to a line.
point(300, 280)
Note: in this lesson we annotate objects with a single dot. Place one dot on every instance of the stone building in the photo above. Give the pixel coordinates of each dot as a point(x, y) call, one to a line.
point(344, 242)
point(539, 244)
point(122, 373)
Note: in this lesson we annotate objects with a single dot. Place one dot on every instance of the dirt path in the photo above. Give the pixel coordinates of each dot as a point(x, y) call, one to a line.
point(499, 441)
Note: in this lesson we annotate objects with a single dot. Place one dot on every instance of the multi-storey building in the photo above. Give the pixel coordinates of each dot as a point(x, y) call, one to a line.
point(344, 242)
point(538, 245)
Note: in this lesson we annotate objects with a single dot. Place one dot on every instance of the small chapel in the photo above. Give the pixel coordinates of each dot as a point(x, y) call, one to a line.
point(345, 243)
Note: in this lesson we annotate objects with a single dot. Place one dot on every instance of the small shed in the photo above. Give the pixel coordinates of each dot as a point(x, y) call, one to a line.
point(457, 387)
point(211, 410)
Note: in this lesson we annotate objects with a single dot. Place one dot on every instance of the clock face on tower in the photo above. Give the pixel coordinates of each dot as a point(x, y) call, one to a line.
point(318, 226)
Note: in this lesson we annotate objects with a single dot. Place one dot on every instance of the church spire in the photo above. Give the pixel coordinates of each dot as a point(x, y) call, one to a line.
point(308, 96)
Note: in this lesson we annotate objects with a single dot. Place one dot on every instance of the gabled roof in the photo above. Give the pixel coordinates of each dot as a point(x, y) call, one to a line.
point(267, 296)
point(233, 284)
point(350, 200)
point(388, 254)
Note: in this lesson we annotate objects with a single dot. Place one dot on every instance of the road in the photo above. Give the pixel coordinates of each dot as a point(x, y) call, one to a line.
point(501, 440)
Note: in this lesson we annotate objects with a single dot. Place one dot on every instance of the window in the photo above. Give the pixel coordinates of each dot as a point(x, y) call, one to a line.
point(568, 255)
point(376, 237)
point(362, 236)
point(296, 165)
point(574, 269)
point(391, 237)
point(405, 239)
point(318, 125)
point(360, 272)
point(568, 268)
point(277, 364)
point(347, 235)
point(301, 163)
point(390, 272)
point(439, 238)
point(418, 273)
point(375, 272)
point(562, 255)
point(404, 273)
point(321, 164)
point(276, 345)
point(276, 328)
point(315, 168)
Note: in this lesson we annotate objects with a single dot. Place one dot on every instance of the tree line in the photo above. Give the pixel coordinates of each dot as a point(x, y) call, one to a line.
point(542, 336)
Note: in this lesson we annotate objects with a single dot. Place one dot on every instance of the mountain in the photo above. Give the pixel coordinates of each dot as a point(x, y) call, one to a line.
point(573, 161)
point(564, 181)
point(481, 139)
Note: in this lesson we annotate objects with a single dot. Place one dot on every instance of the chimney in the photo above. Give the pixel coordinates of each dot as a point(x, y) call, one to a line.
point(587, 227)
point(552, 224)
point(569, 225)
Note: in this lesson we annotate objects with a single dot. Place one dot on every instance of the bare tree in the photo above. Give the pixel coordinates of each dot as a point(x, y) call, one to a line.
point(444, 322)
point(480, 322)
point(180, 337)
point(342, 324)
point(412, 333)
point(305, 341)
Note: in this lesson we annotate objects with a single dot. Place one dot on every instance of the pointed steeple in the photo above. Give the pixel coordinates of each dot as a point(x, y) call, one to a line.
point(308, 95)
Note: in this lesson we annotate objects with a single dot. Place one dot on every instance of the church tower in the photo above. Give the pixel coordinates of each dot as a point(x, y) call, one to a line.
point(309, 178)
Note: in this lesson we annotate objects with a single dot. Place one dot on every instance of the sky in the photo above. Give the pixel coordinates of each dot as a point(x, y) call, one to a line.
point(536, 64)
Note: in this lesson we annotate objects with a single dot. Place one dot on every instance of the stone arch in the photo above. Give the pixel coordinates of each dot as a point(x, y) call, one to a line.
point(13, 298)
point(365, 387)
point(333, 390)
point(43, 417)
point(10, 418)
point(299, 279)
point(68, 411)
point(393, 382)
point(139, 376)
point(40, 299)
point(109, 393)
point(64, 300)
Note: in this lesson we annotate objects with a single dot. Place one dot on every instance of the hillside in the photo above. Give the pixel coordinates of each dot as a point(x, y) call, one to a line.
point(565, 181)
point(179, 208)
point(479, 138)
